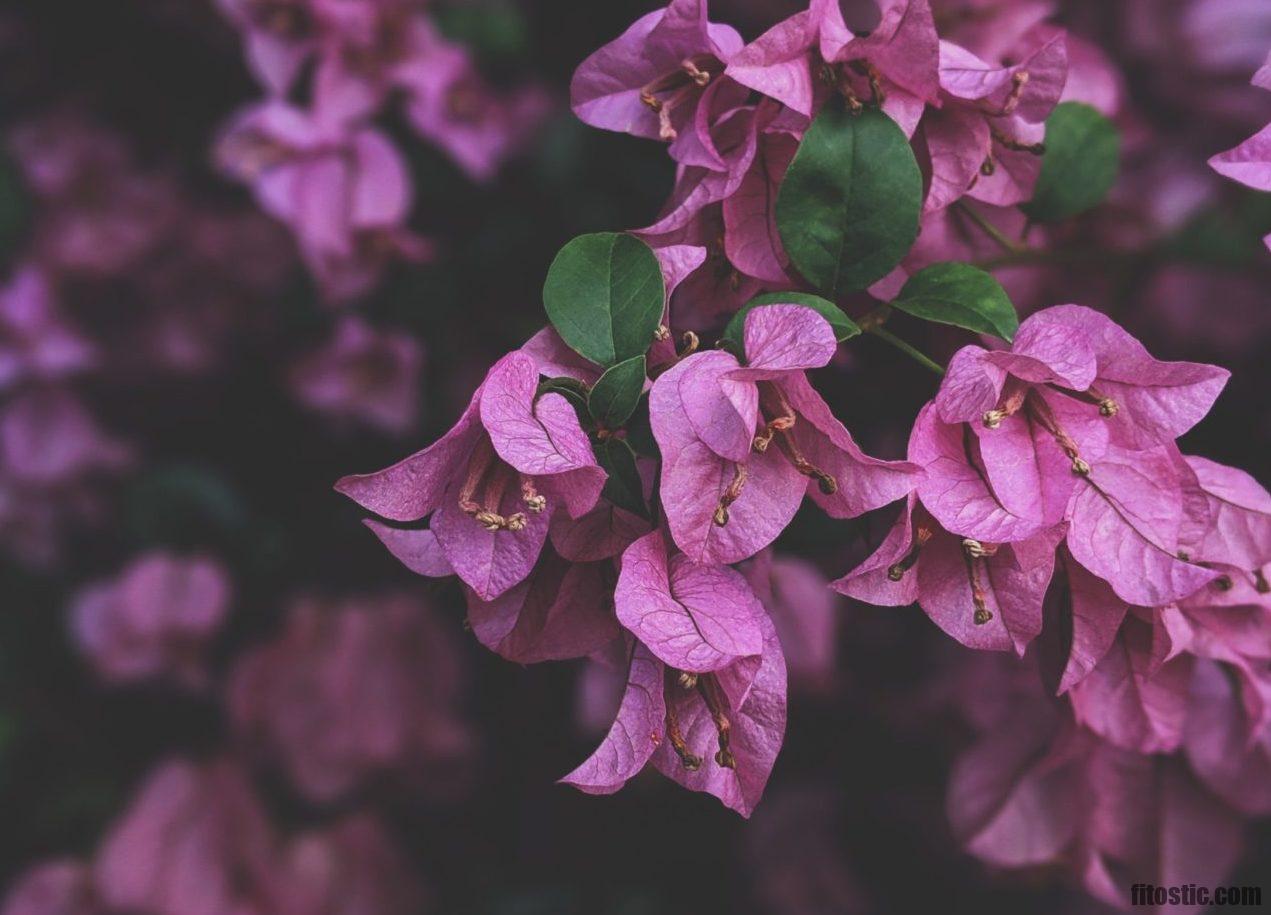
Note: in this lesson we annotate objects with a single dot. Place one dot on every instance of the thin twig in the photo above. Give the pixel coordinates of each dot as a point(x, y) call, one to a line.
point(908, 350)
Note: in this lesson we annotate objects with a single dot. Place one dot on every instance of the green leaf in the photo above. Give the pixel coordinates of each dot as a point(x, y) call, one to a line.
point(497, 30)
point(848, 210)
point(624, 487)
point(614, 396)
point(572, 390)
point(844, 327)
point(961, 295)
point(1079, 166)
point(604, 295)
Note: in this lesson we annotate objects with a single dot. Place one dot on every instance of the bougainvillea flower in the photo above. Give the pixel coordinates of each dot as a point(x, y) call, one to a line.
point(449, 104)
point(806, 613)
point(1011, 794)
point(157, 618)
point(884, 53)
point(194, 839)
point(344, 191)
point(351, 868)
point(979, 495)
point(35, 341)
point(1136, 697)
point(1148, 820)
point(698, 187)
point(742, 445)
point(1132, 521)
point(493, 482)
point(662, 79)
point(1075, 422)
point(1239, 530)
point(696, 618)
point(1218, 745)
point(986, 595)
point(48, 439)
point(363, 374)
point(1083, 355)
point(1249, 163)
point(100, 214)
point(563, 610)
point(53, 888)
point(985, 141)
point(279, 36)
point(351, 691)
point(718, 732)
point(752, 242)
point(1229, 621)
point(1034, 790)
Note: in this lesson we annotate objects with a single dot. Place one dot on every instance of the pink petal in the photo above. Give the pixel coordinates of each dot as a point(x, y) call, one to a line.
point(490, 563)
point(972, 386)
point(413, 487)
point(755, 703)
point(786, 338)
point(1096, 619)
point(1158, 401)
point(777, 64)
point(1133, 697)
point(1125, 523)
point(696, 618)
point(562, 611)
point(956, 491)
point(863, 482)
point(418, 550)
point(1249, 163)
point(871, 581)
point(636, 733)
point(1239, 532)
point(1007, 802)
point(1013, 584)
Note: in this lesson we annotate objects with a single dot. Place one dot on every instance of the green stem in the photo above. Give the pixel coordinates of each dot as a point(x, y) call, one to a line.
point(908, 350)
point(1008, 244)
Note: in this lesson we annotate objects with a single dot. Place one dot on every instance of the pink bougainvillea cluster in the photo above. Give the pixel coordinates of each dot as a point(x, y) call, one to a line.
point(322, 166)
point(907, 328)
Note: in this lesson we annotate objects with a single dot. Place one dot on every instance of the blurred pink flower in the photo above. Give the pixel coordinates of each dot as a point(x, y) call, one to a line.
point(35, 341)
point(352, 691)
point(345, 191)
point(363, 374)
point(351, 868)
point(194, 841)
point(55, 888)
point(154, 620)
point(99, 214)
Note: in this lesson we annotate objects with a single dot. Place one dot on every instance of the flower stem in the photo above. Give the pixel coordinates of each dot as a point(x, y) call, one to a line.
point(908, 350)
point(1008, 244)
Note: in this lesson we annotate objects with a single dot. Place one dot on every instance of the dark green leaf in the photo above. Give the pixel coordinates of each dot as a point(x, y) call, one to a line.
point(1083, 151)
point(844, 327)
point(604, 295)
point(614, 397)
point(623, 488)
point(497, 30)
point(848, 209)
point(961, 295)
point(572, 390)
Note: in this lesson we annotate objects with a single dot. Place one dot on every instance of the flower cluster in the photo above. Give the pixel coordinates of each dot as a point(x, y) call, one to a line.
point(1045, 499)
point(324, 168)
point(196, 838)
